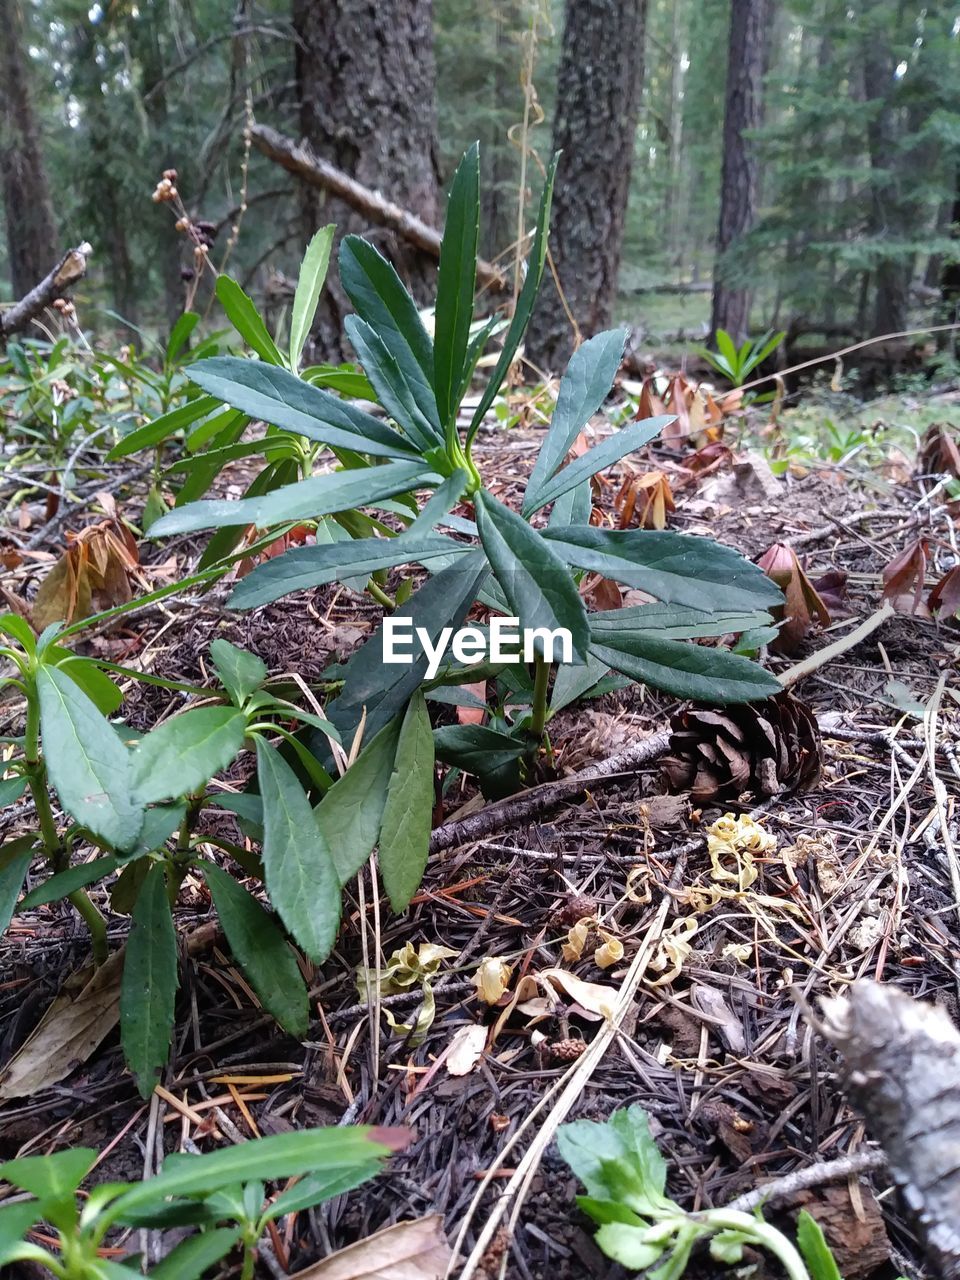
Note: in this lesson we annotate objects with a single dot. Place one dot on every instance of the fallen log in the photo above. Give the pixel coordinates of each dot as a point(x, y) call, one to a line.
point(297, 158)
point(71, 268)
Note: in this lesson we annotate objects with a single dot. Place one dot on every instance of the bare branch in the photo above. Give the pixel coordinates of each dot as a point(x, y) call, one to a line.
point(71, 268)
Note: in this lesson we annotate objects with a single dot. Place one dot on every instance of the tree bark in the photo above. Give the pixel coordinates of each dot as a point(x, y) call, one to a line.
point(739, 173)
point(365, 76)
point(598, 103)
point(31, 227)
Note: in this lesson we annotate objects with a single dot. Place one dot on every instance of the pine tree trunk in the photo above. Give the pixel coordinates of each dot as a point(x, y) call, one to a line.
point(31, 228)
point(738, 181)
point(365, 76)
point(598, 102)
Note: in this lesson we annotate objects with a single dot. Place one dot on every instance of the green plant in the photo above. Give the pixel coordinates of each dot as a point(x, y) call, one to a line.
point(641, 1227)
point(222, 1194)
point(737, 363)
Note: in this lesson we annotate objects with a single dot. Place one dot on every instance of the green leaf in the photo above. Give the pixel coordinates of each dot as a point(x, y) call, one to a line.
point(313, 566)
point(53, 1177)
point(19, 629)
point(538, 586)
point(617, 1160)
point(456, 283)
point(88, 764)
point(686, 670)
point(246, 319)
point(15, 858)
point(241, 673)
point(524, 307)
point(220, 428)
point(223, 543)
point(180, 335)
point(814, 1249)
point(299, 870)
point(387, 380)
point(153, 433)
point(284, 400)
point(285, 1155)
point(609, 451)
point(317, 1188)
point(673, 622)
point(313, 272)
point(191, 1257)
point(349, 814)
point(583, 389)
point(676, 568)
point(406, 823)
point(126, 888)
point(571, 683)
point(626, 1245)
point(319, 495)
point(11, 789)
point(181, 755)
point(66, 882)
point(15, 1221)
point(378, 295)
point(261, 951)
point(493, 756)
point(149, 985)
point(85, 673)
point(159, 824)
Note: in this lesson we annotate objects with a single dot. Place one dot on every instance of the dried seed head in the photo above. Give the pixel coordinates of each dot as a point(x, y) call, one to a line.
point(170, 175)
point(568, 1050)
point(575, 908)
point(182, 224)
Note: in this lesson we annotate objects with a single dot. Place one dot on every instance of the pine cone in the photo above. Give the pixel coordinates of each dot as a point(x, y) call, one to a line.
point(565, 1050)
point(744, 753)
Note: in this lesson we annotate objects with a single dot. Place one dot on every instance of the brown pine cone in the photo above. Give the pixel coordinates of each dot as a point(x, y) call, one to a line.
point(568, 1050)
point(576, 907)
point(744, 753)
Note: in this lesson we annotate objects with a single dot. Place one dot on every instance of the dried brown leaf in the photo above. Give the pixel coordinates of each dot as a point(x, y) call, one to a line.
point(413, 1250)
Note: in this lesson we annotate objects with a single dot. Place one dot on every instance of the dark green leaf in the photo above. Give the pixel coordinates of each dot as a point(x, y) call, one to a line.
point(538, 586)
point(273, 476)
point(15, 858)
point(672, 622)
point(246, 319)
point(126, 888)
point(11, 789)
point(349, 814)
point(86, 761)
point(279, 397)
point(181, 755)
point(299, 871)
point(159, 824)
point(153, 433)
point(456, 283)
point(583, 389)
point(603, 455)
point(313, 272)
point(52, 1177)
point(19, 629)
point(190, 1259)
point(219, 430)
point(65, 882)
point(406, 823)
point(261, 951)
point(676, 568)
point(571, 683)
point(149, 987)
point(686, 670)
point(476, 748)
point(316, 1188)
point(180, 335)
point(241, 673)
point(99, 688)
point(387, 380)
point(319, 495)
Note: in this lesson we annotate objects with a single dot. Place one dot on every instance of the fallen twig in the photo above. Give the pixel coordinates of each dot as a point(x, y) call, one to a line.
point(814, 1175)
point(841, 646)
point(71, 268)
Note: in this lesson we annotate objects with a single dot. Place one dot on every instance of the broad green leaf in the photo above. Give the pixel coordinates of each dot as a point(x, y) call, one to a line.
point(180, 335)
point(15, 858)
point(344, 378)
point(440, 503)
point(99, 688)
point(316, 1188)
point(573, 507)
point(524, 307)
point(686, 670)
point(299, 870)
point(814, 1249)
point(153, 433)
point(126, 888)
point(571, 683)
point(675, 568)
point(349, 814)
point(627, 1245)
point(241, 673)
point(285, 1155)
point(313, 272)
point(284, 400)
point(88, 764)
point(261, 951)
point(15, 1221)
point(52, 1177)
point(19, 629)
point(583, 389)
point(159, 824)
point(406, 823)
point(456, 283)
point(11, 789)
point(617, 1159)
point(378, 295)
point(538, 586)
point(476, 747)
point(219, 429)
point(384, 690)
point(319, 495)
point(181, 755)
point(387, 380)
point(66, 882)
point(602, 455)
point(149, 986)
point(246, 319)
point(313, 566)
point(223, 543)
point(190, 1259)
point(673, 622)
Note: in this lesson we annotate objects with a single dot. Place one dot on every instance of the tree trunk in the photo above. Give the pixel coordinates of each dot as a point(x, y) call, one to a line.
point(31, 228)
point(738, 180)
point(365, 76)
point(598, 103)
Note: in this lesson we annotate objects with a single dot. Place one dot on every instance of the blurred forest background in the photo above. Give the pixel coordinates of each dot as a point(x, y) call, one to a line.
point(744, 164)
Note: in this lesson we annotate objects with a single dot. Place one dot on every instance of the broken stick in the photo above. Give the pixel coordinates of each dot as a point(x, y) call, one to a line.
point(71, 268)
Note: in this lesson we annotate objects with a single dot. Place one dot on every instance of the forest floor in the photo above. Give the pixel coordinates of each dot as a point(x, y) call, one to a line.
point(741, 1087)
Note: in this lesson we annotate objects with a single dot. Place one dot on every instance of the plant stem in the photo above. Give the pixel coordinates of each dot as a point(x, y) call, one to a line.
point(763, 1234)
point(381, 597)
point(541, 683)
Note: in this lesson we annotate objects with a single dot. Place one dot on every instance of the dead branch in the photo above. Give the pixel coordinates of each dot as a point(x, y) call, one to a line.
point(902, 1060)
point(71, 268)
point(296, 157)
point(813, 1175)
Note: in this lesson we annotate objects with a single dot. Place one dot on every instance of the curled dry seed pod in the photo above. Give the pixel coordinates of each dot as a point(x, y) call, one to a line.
point(744, 753)
point(802, 605)
point(902, 1059)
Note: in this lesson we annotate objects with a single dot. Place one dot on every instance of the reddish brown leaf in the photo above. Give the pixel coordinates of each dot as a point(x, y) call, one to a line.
point(803, 606)
point(944, 598)
point(904, 576)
